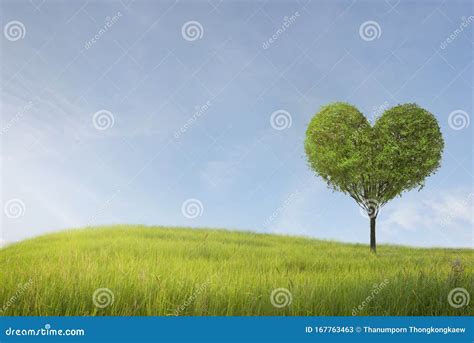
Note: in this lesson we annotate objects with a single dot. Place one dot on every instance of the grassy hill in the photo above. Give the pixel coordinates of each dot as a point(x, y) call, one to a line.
point(179, 271)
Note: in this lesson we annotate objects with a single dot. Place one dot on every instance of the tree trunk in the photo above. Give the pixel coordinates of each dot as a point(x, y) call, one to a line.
point(372, 234)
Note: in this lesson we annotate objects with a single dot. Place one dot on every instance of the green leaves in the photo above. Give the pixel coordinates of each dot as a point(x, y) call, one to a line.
point(377, 163)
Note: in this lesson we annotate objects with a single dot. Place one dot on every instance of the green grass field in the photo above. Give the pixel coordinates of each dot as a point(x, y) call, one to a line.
point(179, 271)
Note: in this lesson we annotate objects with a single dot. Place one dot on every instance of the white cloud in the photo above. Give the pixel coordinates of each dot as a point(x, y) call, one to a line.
point(418, 219)
point(445, 215)
point(440, 210)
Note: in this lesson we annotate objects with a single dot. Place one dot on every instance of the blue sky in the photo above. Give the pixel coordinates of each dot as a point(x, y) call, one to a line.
point(122, 111)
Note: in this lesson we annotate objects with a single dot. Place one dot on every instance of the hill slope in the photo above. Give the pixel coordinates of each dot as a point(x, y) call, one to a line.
point(125, 270)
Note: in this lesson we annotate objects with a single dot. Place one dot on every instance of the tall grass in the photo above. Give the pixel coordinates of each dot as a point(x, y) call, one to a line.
point(177, 271)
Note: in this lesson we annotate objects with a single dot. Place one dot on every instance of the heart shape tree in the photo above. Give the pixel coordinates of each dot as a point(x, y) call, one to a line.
point(373, 164)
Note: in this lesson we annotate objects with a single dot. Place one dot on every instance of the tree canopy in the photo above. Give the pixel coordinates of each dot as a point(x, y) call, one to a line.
point(373, 164)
